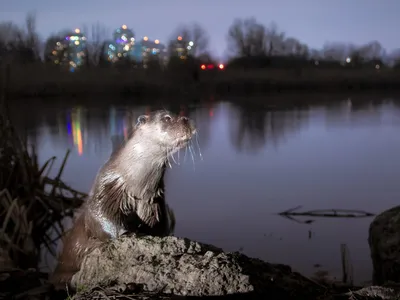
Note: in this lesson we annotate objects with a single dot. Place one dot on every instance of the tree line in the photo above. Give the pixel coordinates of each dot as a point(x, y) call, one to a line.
point(250, 43)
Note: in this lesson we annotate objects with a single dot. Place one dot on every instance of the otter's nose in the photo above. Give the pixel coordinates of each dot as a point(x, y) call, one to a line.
point(184, 120)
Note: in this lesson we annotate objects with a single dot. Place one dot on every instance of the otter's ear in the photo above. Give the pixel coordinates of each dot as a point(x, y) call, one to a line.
point(141, 120)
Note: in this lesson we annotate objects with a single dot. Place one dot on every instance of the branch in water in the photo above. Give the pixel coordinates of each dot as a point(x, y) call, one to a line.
point(335, 213)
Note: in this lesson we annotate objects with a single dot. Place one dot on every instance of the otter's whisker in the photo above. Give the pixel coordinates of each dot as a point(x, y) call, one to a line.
point(198, 146)
point(173, 157)
point(191, 147)
point(186, 150)
point(168, 161)
point(191, 152)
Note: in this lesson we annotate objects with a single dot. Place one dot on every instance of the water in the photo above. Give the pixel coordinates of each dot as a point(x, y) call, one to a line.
point(257, 161)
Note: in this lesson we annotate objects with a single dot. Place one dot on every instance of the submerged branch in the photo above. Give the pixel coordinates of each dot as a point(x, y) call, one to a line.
point(335, 213)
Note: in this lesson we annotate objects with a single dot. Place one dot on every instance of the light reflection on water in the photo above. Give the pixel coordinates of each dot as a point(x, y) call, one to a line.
point(257, 162)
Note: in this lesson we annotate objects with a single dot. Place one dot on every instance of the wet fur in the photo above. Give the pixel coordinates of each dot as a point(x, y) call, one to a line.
point(128, 192)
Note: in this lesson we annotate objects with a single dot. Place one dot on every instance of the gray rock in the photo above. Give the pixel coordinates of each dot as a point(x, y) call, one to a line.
point(373, 292)
point(384, 243)
point(183, 267)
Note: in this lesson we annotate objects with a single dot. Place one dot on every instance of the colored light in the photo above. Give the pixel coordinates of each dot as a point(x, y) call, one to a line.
point(76, 130)
point(145, 38)
point(157, 41)
point(179, 38)
point(203, 67)
point(221, 66)
point(77, 30)
point(79, 141)
point(69, 127)
point(124, 26)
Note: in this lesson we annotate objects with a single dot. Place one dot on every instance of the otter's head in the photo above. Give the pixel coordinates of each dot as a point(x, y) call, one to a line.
point(165, 131)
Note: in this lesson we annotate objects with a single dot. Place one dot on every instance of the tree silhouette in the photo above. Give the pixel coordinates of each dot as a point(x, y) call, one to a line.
point(52, 43)
point(191, 32)
point(247, 38)
point(96, 35)
point(20, 45)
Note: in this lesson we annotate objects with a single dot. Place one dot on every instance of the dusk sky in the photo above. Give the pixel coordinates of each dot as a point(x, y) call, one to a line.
point(314, 22)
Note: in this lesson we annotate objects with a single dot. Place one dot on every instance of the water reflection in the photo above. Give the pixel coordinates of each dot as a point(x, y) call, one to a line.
point(253, 126)
point(84, 129)
point(338, 155)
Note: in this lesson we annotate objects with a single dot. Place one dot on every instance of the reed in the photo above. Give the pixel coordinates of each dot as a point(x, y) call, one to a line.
point(32, 204)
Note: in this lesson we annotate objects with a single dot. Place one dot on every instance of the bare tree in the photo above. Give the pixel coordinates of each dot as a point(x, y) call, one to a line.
point(192, 32)
point(393, 58)
point(96, 36)
point(294, 47)
point(20, 44)
point(55, 42)
point(336, 51)
point(315, 54)
point(32, 40)
point(247, 37)
point(275, 40)
point(371, 51)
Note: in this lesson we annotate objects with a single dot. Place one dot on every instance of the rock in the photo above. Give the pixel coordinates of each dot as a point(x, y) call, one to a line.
point(372, 292)
point(182, 267)
point(384, 243)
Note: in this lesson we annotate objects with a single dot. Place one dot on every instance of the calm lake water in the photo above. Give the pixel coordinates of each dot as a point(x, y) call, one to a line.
point(257, 161)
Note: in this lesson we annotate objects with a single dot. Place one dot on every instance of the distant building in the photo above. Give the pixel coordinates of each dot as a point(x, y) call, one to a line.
point(69, 51)
point(125, 46)
point(147, 50)
point(181, 47)
point(118, 49)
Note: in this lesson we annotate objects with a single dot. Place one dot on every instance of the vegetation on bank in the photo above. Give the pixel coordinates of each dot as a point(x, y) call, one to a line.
point(45, 81)
point(32, 207)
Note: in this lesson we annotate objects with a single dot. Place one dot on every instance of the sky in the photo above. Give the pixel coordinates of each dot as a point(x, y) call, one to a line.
point(313, 22)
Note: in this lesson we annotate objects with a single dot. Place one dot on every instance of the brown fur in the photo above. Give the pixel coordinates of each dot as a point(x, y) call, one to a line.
point(128, 193)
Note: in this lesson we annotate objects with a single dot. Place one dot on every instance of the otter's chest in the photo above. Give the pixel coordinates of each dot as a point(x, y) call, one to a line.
point(113, 229)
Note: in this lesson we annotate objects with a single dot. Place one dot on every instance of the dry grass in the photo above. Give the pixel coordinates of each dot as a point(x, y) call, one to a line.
point(31, 206)
point(31, 203)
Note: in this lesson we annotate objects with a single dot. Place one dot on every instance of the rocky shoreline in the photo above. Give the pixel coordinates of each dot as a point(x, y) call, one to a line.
point(144, 267)
point(161, 267)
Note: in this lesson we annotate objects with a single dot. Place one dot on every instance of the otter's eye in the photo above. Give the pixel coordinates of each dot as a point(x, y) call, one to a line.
point(141, 120)
point(167, 118)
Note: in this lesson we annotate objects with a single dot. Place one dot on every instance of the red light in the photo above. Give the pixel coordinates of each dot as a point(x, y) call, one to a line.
point(203, 67)
point(221, 66)
point(210, 66)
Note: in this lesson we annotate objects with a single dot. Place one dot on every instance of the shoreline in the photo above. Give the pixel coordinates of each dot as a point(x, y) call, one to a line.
point(44, 81)
point(184, 269)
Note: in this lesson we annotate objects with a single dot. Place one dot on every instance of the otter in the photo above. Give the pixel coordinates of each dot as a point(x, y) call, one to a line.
point(127, 195)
